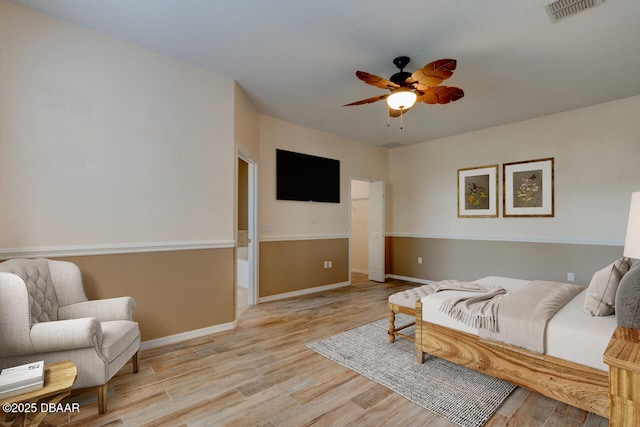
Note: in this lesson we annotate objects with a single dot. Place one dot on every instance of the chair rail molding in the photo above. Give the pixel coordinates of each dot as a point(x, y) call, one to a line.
point(505, 239)
point(303, 237)
point(112, 249)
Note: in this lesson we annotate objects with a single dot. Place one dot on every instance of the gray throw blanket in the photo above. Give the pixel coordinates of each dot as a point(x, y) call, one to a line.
point(478, 310)
point(524, 313)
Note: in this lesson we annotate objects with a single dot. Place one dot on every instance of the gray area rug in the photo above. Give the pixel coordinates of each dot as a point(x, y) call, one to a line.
point(459, 394)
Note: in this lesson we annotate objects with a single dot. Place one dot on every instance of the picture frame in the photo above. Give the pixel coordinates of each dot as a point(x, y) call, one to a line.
point(478, 192)
point(528, 188)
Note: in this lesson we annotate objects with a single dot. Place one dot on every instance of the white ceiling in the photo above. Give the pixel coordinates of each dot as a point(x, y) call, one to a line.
point(296, 59)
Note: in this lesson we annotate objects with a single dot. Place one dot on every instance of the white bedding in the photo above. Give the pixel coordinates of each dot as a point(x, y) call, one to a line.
point(572, 334)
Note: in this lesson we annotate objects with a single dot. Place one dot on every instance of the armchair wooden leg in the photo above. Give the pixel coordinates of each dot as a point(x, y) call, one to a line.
point(135, 360)
point(102, 399)
point(102, 389)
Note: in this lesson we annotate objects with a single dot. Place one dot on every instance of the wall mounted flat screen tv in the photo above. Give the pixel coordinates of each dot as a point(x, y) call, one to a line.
point(307, 178)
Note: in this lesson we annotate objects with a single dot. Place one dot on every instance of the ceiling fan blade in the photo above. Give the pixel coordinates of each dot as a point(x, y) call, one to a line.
point(368, 100)
point(432, 74)
point(376, 81)
point(442, 95)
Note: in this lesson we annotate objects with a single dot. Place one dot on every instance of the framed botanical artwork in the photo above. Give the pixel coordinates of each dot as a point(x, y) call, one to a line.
point(528, 188)
point(478, 192)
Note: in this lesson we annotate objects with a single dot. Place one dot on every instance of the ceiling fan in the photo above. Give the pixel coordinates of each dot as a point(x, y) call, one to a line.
point(406, 89)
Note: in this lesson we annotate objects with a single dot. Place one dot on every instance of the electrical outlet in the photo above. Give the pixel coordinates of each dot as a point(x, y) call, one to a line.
point(570, 277)
point(419, 260)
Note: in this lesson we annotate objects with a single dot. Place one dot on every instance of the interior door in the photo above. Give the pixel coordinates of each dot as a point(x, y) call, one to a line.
point(376, 231)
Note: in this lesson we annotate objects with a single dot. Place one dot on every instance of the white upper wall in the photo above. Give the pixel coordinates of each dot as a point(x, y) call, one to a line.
point(290, 219)
point(102, 142)
point(105, 143)
point(246, 124)
point(596, 151)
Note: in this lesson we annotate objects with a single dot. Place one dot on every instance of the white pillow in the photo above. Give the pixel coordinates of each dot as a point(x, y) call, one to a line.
point(601, 295)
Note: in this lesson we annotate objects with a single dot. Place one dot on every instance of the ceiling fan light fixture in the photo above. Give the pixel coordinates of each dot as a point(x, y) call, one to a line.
point(401, 99)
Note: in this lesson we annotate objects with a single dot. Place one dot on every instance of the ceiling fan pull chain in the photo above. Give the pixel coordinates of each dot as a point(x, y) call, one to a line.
point(401, 125)
point(388, 116)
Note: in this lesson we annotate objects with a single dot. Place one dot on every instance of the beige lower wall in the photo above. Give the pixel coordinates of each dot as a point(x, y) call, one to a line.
point(181, 291)
point(175, 291)
point(473, 259)
point(296, 265)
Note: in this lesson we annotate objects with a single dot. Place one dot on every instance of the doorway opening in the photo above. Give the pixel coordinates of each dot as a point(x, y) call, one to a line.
point(359, 243)
point(367, 227)
point(246, 250)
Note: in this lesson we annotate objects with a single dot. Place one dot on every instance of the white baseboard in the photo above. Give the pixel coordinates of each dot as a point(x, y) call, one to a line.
point(359, 270)
point(172, 339)
point(303, 292)
point(410, 279)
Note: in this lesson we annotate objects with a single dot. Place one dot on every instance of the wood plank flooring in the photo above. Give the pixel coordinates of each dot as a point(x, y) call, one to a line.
point(262, 374)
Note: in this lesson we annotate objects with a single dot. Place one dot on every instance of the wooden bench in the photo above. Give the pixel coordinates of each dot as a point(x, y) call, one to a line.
point(405, 302)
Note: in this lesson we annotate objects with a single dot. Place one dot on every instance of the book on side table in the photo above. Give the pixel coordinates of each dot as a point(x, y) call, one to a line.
point(21, 379)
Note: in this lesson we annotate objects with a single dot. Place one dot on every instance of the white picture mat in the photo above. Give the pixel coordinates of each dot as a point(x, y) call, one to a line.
point(547, 188)
point(492, 171)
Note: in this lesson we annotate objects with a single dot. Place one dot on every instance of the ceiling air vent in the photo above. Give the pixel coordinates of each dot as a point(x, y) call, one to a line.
point(561, 9)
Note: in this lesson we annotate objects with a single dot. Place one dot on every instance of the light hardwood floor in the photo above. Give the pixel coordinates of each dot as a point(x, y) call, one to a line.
point(262, 374)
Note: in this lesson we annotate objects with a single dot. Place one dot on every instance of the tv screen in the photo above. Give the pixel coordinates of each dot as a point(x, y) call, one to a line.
point(307, 178)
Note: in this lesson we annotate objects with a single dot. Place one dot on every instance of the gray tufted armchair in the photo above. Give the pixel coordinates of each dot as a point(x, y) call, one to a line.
point(45, 315)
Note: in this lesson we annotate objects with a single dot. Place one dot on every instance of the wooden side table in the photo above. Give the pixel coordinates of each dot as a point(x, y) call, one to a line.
point(58, 381)
point(623, 357)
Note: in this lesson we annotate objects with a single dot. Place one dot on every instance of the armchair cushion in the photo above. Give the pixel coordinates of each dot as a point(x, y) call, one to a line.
point(117, 336)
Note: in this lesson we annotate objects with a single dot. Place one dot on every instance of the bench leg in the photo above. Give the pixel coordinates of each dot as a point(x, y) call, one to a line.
point(418, 341)
point(392, 326)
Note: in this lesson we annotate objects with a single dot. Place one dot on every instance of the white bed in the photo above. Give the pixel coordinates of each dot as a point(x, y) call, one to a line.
point(571, 334)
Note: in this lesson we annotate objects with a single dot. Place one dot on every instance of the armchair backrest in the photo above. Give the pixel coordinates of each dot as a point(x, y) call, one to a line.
point(43, 301)
point(67, 281)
